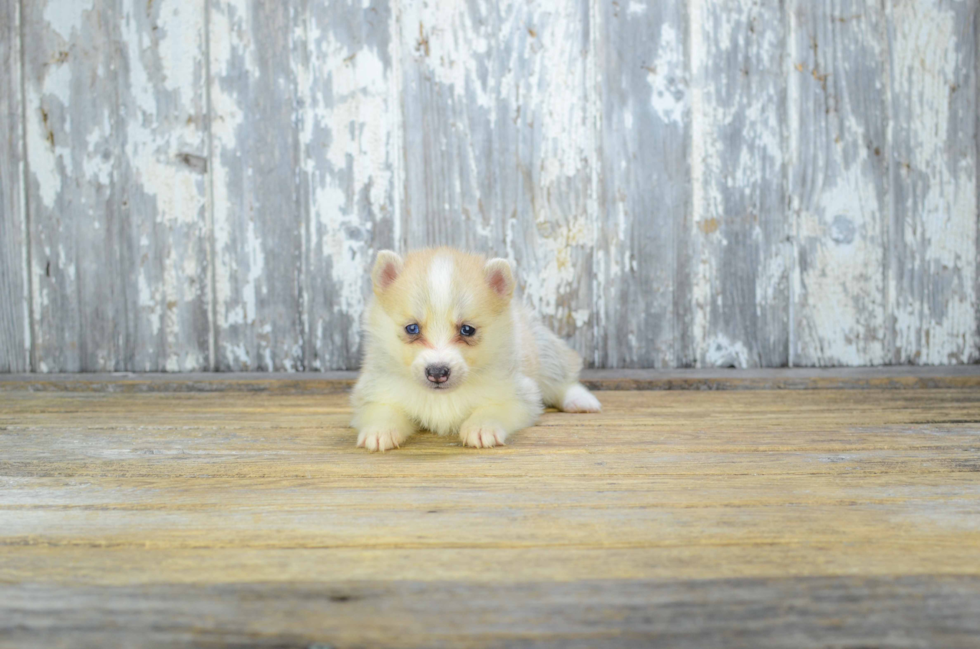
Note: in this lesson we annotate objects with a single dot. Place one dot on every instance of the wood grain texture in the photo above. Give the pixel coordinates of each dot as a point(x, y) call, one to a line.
point(932, 266)
point(15, 331)
point(692, 518)
point(116, 113)
point(922, 611)
point(838, 182)
point(350, 131)
point(257, 58)
point(749, 183)
point(499, 145)
point(741, 257)
point(642, 291)
point(70, 99)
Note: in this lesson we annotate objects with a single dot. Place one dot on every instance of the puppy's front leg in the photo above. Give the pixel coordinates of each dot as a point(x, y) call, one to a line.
point(490, 425)
point(381, 426)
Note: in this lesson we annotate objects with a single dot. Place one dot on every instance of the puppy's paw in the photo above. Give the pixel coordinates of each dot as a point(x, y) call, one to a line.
point(485, 435)
point(380, 439)
point(578, 399)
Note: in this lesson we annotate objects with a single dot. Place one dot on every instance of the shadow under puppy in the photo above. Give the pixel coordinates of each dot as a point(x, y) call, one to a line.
point(449, 350)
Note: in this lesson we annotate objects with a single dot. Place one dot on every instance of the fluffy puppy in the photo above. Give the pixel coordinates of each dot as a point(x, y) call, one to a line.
point(449, 350)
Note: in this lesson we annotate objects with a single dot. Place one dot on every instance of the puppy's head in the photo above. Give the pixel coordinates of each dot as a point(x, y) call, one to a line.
point(442, 315)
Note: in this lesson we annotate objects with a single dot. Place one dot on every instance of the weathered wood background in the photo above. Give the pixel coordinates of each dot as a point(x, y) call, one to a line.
point(201, 184)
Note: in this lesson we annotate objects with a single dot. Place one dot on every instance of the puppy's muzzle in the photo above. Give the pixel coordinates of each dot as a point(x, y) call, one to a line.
point(437, 373)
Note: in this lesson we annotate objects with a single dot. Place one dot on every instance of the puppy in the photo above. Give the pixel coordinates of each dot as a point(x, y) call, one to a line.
point(449, 350)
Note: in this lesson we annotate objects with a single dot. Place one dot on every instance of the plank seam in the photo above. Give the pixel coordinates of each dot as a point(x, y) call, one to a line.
point(976, 142)
point(25, 202)
point(595, 117)
point(681, 303)
point(887, 235)
point(209, 209)
point(396, 115)
point(303, 105)
point(789, 43)
point(675, 228)
point(786, 238)
point(695, 13)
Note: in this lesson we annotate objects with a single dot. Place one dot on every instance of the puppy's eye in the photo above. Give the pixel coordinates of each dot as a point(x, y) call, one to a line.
point(467, 331)
point(412, 330)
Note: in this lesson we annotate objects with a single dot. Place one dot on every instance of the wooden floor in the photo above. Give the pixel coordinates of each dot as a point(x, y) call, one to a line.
point(803, 518)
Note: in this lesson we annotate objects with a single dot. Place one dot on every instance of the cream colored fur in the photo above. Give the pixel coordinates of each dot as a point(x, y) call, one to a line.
point(500, 379)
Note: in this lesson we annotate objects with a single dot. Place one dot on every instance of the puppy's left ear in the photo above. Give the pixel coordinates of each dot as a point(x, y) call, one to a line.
point(500, 277)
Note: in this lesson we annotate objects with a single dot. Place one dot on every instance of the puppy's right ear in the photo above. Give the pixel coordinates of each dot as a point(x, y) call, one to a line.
point(387, 267)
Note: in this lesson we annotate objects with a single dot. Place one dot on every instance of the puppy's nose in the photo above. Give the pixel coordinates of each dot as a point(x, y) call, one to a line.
point(437, 373)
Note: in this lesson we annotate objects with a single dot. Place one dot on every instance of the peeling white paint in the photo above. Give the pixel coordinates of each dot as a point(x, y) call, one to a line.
point(736, 162)
point(45, 159)
point(523, 77)
point(511, 79)
point(19, 352)
point(561, 110)
point(582, 316)
point(705, 199)
point(667, 78)
point(167, 191)
point(843, 286)
point(719, 351)
point(227, 26)
point(252, 247)
point(444, 34)
point(837, 203)
point(66, 16)
point(354, 175)
point(940, 211)
point(235, 354)
point(150, 302)
point(558, 271)
point(49, 156)
point(100, 160)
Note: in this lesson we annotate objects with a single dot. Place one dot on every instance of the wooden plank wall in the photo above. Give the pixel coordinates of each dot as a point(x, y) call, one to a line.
point(15, 335)
point(201, 185)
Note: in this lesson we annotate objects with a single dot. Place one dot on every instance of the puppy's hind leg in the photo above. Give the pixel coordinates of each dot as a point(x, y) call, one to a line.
point(558, 374)
point(577, 398)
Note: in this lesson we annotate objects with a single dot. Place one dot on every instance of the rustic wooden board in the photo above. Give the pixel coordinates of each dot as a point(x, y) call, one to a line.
point(642, 291)
point(853, 378)
point(70, 102)
point(350, 144)
point(15, 332)
point(116, 145)
point(763, 518)
point(257, 62)
point(838, 189)
point(499, 145)
point(917, 611)
point(932, 254)
point(741, 259)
